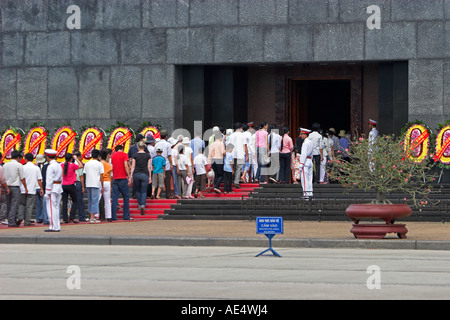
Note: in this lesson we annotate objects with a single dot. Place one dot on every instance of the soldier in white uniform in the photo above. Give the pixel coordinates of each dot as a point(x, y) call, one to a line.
point(373, 134)
point(53, 191)
point(306, 164)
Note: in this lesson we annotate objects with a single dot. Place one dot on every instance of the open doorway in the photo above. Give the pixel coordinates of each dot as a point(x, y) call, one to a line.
point(325, 101)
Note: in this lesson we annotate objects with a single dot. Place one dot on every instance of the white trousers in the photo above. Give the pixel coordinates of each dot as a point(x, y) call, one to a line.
point(323, 169)
point(53, 201)
point(306, 177)
point(107, 198)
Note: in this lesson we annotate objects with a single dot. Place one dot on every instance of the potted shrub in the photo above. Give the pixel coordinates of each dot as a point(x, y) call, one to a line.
point(388, 165)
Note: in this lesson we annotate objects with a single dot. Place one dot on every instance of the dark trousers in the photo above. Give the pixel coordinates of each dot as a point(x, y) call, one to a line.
point(120, 186)
point(80, 201)
point(227, 181)
point(316, 162)
point(12, 205)
point(217, 166)
point(285, 167)
point(167, 184)
point(72, 191)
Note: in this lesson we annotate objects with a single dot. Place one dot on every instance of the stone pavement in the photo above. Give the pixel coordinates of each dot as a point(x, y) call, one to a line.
point(421, 235)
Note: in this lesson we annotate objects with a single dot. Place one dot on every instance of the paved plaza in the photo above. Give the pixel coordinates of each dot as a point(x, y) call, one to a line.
point(203, 273)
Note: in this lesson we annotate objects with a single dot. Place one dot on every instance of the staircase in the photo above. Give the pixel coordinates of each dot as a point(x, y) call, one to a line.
point(159, 208)
point(154, 208)
point(329, 204)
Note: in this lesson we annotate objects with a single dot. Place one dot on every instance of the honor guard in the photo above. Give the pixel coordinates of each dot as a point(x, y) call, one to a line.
point(373, 134)
point(306, 164)
point(53, 191)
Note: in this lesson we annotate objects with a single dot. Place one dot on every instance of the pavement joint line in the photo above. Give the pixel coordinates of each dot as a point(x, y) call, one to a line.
point(223, 242)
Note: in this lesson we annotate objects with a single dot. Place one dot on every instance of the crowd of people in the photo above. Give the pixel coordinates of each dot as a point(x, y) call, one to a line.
point(183, 168)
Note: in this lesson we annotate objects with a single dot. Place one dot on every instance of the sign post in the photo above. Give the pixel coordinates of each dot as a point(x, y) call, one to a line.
point(269, 226)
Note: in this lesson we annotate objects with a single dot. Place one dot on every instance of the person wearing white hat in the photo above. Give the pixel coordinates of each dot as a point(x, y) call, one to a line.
point(53, 191)
point(373, 134)
point(306, 164)
point(188, 152)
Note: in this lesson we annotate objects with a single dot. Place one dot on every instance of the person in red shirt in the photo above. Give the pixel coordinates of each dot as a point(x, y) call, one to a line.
point(120, 174)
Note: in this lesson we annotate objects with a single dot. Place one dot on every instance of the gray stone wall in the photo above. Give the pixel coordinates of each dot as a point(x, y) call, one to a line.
point(122, 63)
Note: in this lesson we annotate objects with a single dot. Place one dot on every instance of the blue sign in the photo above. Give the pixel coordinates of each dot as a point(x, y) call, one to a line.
point(269, 225)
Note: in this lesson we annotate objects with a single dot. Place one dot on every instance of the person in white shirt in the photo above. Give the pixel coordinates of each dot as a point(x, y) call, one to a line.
point(316, 139)
point(373, 134)
point(200, 163)
point(33, 177)
point(275, 147)
point(14, 177)
point(53, 191)
point(94, 170)
point(188, 152)
point(246, 171)
point(4, 190)
point(183, 164)
point(240, 151)
point(306, 165)
point(176, 146)
point(327, 147)
point(166, 148)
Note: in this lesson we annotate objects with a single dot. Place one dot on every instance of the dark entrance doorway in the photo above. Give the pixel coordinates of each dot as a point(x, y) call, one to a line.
point(325, 101)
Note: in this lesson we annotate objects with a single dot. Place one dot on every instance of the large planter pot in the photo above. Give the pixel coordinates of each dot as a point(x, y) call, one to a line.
point(389, 213)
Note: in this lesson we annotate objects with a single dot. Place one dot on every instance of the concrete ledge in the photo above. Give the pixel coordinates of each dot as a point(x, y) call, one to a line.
point(227, 242)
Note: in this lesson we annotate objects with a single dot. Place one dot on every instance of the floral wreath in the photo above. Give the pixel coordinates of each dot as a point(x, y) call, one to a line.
point(63, 142)
point(120, 136)
point(151, 130)
point(11, 140)
point(417, 142)
point(35, 141)
point(91, 138)
point(443, 145)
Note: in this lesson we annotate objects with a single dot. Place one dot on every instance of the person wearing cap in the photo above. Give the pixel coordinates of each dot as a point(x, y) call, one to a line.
point(53, 191)
point(150, 142)
point(212, 138)
point(306, 164)
point(158, 164)
point(14, 177)
point(240, 152)
point(344, 143)
point(316, 139)
point(336, 143)
point(166, 148)
point(189, 153)
point(373, 134)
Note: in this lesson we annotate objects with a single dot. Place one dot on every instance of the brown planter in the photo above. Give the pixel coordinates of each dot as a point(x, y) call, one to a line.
point(386, 212)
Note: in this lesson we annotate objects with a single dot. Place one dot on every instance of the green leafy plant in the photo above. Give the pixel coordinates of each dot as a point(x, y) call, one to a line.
point(384, 167)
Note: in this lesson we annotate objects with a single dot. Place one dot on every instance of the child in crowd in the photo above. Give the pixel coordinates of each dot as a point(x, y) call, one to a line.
point(158, 163)
point(228, 170)
point(210, 176)
point(200, 163)
point(295, 165)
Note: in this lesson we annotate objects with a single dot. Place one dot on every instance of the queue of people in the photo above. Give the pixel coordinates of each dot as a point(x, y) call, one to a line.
point(181, 167)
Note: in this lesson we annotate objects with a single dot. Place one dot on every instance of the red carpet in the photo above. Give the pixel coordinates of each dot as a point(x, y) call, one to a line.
point(154, 208)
